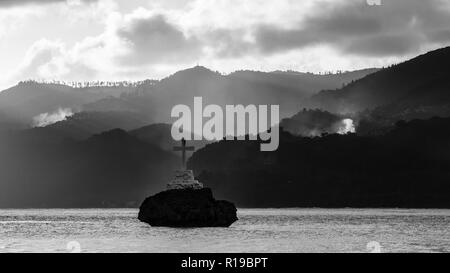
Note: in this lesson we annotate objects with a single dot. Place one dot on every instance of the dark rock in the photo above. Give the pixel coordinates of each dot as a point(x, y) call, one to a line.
point(187, 208)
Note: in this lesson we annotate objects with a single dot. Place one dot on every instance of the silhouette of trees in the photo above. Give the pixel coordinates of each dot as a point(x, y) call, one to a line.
point(90, 84)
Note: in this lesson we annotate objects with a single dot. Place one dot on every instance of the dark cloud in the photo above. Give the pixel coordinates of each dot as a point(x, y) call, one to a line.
point(333, 25)
point(271, 39)
point(385, 45)
point(440, 36)
point(154, 39)
point(228, 43)
point(13, 3)
point(396, 28)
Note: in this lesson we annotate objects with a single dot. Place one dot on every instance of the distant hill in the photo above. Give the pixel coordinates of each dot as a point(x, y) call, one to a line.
point(309, 82)
point(158, 134)
point(416, 105)
point(29, 99)
point(404, 168)
point(85, 124)
point(111, 169)
point(161, 136)
point(8, 123)
point(418, 85)
point(155, 99)
point(290, 90)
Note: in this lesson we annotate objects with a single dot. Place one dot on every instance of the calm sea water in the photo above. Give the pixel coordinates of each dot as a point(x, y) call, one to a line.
point(258, 230)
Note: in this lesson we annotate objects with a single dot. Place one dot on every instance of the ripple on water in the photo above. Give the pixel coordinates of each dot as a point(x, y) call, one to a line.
point(258, 230)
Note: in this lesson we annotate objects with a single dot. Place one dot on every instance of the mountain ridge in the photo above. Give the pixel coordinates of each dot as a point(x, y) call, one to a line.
point(289, 90)
point(389, 85)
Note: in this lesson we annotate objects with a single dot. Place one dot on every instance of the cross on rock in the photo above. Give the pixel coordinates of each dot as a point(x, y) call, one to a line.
point(183, 149)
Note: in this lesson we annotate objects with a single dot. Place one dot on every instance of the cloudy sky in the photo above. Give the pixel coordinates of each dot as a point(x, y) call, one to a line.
point(139, 39)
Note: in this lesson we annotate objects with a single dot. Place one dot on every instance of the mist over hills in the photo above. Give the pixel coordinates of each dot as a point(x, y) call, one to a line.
point(312, 123)
point(414, 89)
point(406, 168)
point(29, 99)
point(290, 90)
point(420, 82)
point(114, 146)
point(85, 124)
point(154, 99)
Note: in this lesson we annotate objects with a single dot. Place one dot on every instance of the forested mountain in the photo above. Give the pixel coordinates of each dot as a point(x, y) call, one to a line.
point(85, 124)
point(160, 135)
point(290, 90)
point(316, 123)
point(29, 99)
point(112, 169)
point(407, 167)
point(418, 85)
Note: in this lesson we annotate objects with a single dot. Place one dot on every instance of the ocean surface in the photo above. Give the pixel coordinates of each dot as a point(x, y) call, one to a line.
point(258, 230)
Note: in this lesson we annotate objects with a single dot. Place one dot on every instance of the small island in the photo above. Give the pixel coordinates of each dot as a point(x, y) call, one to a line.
point(186, 203)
